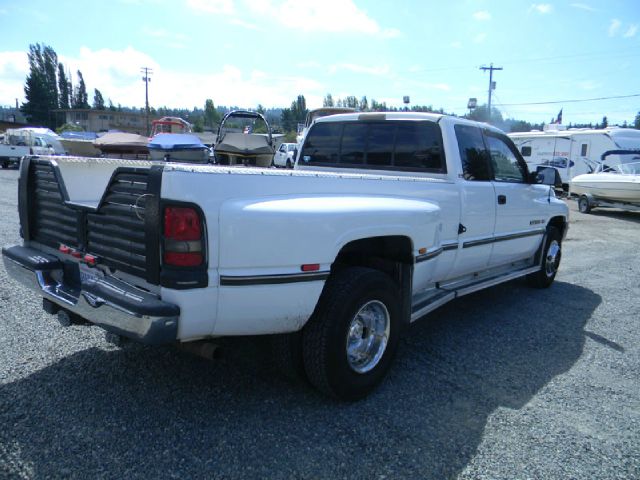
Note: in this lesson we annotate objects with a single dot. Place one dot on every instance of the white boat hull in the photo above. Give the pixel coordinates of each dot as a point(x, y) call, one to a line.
point(176, 155)
point(608, 186)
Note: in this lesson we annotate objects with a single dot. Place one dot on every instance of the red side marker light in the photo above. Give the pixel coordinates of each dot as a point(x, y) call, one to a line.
point(64, 249)
point(90, 259)
point(76, 254)
point(310, 267)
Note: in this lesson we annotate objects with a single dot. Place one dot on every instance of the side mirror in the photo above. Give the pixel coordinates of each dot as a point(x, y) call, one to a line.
point(548, 176)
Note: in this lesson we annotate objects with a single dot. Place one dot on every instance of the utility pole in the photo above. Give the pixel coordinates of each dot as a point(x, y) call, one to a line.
point(492, 85)
point(146, 79)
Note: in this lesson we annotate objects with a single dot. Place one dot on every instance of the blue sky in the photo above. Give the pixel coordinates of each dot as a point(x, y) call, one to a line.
point(246, 52)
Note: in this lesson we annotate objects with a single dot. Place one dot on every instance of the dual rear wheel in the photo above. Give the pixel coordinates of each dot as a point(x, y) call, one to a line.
point(349, 342)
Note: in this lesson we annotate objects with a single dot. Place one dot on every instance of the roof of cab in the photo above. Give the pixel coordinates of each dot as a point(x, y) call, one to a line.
point(413, 116)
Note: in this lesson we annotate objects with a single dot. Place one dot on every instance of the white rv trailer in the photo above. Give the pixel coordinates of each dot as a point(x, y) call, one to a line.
point(573, 151)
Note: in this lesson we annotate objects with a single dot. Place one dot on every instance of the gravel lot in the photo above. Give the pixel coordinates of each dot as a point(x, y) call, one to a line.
point(508, 383)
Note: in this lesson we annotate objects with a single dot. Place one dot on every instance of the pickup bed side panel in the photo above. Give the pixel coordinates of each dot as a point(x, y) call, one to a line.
point(264, 242)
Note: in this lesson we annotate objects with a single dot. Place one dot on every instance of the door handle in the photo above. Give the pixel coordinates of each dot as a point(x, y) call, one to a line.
point(502, 199)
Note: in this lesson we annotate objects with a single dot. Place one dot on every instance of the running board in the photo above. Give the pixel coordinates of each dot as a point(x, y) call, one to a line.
point(421, 308)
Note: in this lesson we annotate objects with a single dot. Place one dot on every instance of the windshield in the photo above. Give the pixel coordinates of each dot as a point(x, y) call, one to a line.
point(626, 164)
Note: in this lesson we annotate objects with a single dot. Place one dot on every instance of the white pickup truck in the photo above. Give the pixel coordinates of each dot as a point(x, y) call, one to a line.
point(386, 217)
point(15, 144)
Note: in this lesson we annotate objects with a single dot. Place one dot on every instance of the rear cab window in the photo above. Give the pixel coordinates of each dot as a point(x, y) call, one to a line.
point(396, 145)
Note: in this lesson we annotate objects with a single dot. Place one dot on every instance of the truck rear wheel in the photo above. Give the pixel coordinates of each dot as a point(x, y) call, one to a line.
point(552, 253)
point(350, 341)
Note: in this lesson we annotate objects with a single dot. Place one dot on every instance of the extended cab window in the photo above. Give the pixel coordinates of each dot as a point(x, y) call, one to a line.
point(507, 167)
point(473, 153)
point(386, 145)
point(323, 143)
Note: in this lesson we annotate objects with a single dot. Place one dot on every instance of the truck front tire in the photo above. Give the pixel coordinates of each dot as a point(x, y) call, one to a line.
point(552, 253)
point(351, 338)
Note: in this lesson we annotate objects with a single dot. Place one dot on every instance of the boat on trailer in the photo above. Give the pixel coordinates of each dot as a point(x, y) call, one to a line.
point(610, 185)
point(172, 141)
point(246, 147)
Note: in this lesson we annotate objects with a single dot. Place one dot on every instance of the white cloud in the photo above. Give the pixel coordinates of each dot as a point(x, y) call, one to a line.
point(479, 38)
point(631, 31)
point(14, 68)
point(583, 6)
point(614, 26)
point(116, 73)
point(334, 16)
point(247, 25)
point(542, 8)
point(213, 6)
point(482, 15)
point(326, 16)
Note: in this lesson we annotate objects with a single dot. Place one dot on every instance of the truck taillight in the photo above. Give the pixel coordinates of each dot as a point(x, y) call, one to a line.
point(183, 239)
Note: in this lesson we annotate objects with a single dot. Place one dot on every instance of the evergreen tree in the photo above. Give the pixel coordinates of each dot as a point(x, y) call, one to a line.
point(636, 122)
point(287, 120)
point(298, 112)
point(98, 100)
point(50, 59)
point(80, 97)
point(63, 88)
point(111, 106)
point(364, 104)
point(327, 101)
point(211, 115)
point(605, 122)
point(41, 88)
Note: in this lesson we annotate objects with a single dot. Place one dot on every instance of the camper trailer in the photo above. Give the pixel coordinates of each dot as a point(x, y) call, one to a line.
point(573, 151)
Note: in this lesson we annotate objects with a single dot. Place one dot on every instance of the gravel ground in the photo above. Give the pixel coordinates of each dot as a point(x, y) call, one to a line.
point(508, 383)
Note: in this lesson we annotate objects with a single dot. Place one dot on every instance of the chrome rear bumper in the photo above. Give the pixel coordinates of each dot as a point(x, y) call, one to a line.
point(107, 302)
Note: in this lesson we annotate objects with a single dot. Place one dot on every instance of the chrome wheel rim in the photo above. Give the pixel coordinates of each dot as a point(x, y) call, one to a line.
point(367, 336)
point(553, 258)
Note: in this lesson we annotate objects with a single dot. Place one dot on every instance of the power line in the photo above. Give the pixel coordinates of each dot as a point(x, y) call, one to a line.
point(570, 101)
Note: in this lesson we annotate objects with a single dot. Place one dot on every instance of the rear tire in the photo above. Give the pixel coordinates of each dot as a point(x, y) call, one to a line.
point(289, 164)
point(552, 254)
point(351, 338)
point(584, 206)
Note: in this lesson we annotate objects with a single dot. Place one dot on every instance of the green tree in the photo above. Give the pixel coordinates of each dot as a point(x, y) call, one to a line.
point(112, 107)
point(198, 125)
point(98, 100)
point(287, 120)
point(636, 122)
point(41, 86)
point(364, 104)
point(63, 88)
point(327, 101)
point(481, 114)
point(605, 122)
point(211, 114)
point(299, 111)
point(351, 102)
point(80, 97)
